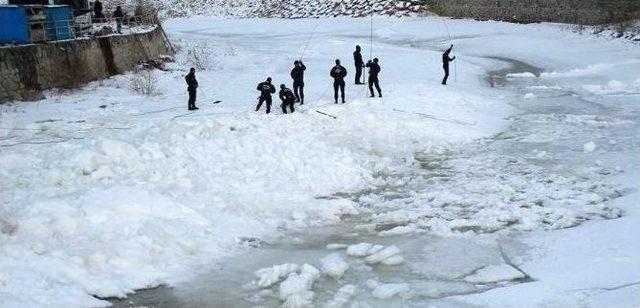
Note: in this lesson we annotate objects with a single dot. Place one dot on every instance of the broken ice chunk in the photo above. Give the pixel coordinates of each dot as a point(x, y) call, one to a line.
point(389, 290)
point(394, 260)
point(270, 275)
point(299, 283)
point(359, 250)
point(336, 246)
point(382, 255)
point(333, 265)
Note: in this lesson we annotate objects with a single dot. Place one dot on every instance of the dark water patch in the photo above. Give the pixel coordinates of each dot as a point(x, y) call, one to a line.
point(498, 78)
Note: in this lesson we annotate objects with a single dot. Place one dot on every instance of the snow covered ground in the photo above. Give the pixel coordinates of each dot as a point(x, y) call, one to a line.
point(491, 194)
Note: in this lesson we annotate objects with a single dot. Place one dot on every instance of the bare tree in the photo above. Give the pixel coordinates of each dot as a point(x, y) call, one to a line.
point(144, 81)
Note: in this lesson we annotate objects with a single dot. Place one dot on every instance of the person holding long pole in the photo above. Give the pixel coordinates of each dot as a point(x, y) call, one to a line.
point(445, 64)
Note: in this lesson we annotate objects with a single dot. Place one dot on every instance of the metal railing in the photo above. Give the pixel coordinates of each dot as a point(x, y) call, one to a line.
point(42, 30)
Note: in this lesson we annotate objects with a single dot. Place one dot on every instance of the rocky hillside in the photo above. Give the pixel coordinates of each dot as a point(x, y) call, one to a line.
point(289, 8)
point(223, 8)
point(333, 8)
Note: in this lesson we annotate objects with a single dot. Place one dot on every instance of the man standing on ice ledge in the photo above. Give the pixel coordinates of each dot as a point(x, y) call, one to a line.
point(338, 73)
point(266, 89)
point(297, 73)
point(359, 63)
point(192, 85)
point(445, 64)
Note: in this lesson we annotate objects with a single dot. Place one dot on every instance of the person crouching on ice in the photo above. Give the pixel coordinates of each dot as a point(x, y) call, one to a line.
point(287, 97)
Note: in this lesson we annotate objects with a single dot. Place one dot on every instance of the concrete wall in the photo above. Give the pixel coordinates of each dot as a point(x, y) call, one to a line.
point(566, 11)
point(27, 70)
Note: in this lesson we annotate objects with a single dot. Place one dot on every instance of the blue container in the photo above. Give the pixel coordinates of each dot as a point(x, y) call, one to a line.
point(13, 25)
point(59, 21)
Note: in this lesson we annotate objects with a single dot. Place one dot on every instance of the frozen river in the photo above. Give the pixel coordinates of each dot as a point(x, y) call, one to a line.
point(514, 186)
point(542, 163)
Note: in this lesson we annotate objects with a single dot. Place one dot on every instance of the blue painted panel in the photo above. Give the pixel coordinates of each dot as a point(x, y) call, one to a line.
point(13, 25)
point(59, 22)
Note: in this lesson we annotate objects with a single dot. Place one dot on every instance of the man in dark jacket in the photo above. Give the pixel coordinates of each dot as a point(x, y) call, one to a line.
point(297, 73)
point(118, 15)
point(357, 59)
point(192, 85)
point(287, 97)
point(374, 70)
point(445, 64)
point(97, 11)
point(338, 73)
point(266, 89)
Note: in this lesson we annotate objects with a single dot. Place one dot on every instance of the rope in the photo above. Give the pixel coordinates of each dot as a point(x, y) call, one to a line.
point(329, 115)
point(313, 32)
point(455, 71)
point(432, 117)
point(371, 34)
point(61, 140)
point(365, 89)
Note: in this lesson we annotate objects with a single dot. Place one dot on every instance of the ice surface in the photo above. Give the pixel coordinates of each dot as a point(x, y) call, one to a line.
point(494, 273)
point(438, 289)
point(521, 75)
point(612, 87)
point(589, 147)
point(464, 256)
point(342, 297)
point(141, 193)
point(388, 290)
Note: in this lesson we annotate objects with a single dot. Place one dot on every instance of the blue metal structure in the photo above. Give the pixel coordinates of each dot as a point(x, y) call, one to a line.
point(59, 22)
point(13, 25)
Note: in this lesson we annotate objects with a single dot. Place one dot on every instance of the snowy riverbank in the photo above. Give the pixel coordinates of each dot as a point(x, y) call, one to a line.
point(139, 192)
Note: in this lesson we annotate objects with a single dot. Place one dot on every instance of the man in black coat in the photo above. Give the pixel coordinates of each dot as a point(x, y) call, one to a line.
point(445, 64)
point(357, 59)
point(266, 89)
point(297, 73)
point(192, 85)
point(374, 70)
point(287, 97)
point(338, 73)
point(119, 16)
point(97, 11)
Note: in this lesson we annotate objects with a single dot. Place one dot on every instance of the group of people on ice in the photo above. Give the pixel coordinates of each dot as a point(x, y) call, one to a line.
point(338, 73)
